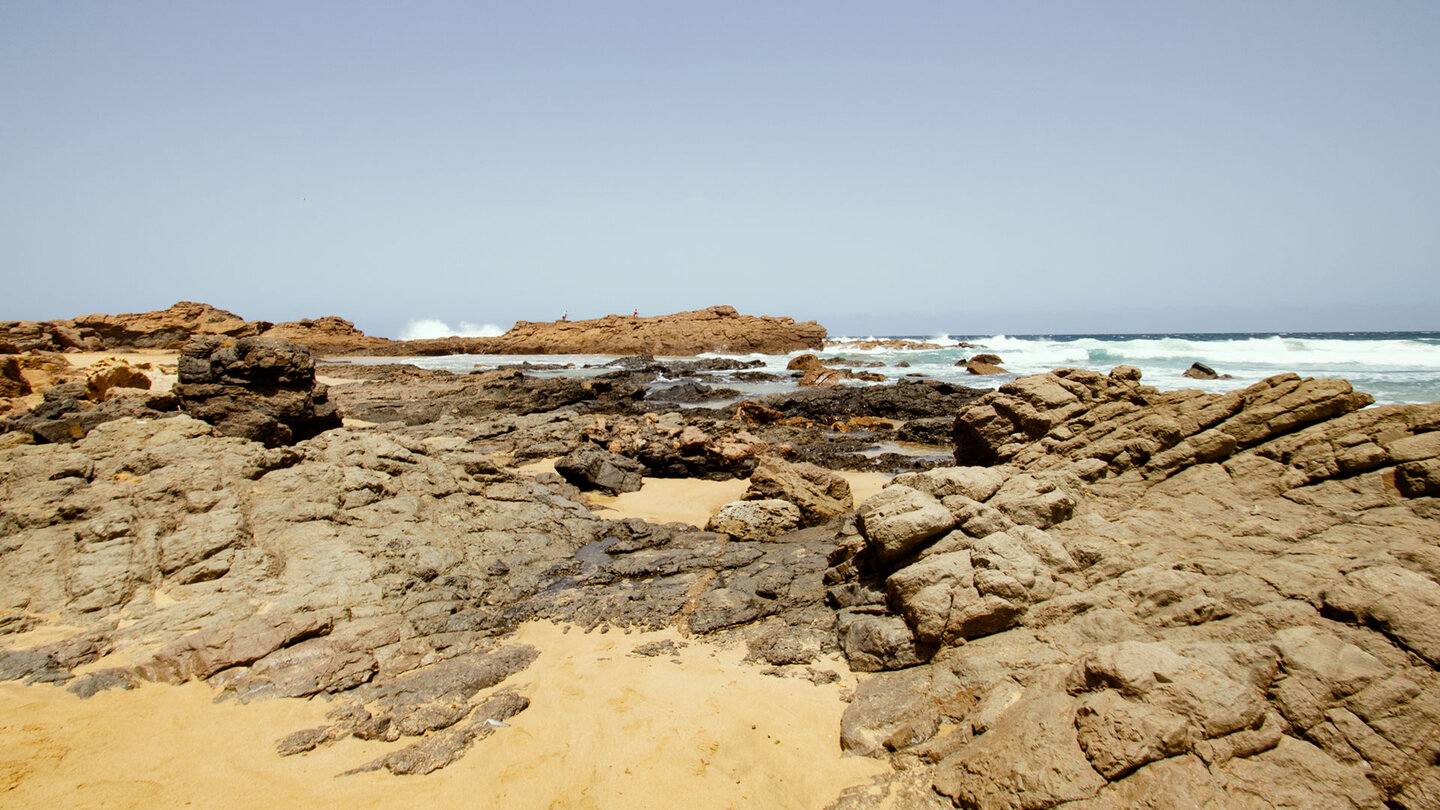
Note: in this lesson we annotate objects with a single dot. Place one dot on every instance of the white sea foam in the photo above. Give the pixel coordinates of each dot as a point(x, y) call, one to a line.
point(1392, 368)
point(429, 328)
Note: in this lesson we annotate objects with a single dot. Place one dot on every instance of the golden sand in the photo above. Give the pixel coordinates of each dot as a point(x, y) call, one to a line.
point(695, 501)
point(605, 729)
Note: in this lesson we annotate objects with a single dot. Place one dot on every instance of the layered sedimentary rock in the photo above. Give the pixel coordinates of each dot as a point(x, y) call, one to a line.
point(1159, 599)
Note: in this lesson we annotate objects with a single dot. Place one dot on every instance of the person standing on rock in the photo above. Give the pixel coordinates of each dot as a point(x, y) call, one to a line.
point(636, 313)
point(565, 316)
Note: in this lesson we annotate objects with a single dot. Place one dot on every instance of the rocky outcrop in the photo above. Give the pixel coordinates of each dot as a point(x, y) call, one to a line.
point(717, 329)
point(1158, 599)
point(1073, 414)
point(593, 468)
point(162, 329)
point(328, 336)
point(983, 364)
point(820, 494)
point(756, 519)
point(256, 388)
point(73, 400)
point(379, 570)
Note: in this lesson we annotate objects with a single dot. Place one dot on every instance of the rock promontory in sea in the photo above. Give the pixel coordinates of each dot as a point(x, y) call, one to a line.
point(715, 329)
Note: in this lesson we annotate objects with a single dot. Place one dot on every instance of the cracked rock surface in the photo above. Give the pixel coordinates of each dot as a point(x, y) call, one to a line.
point(1153, 599)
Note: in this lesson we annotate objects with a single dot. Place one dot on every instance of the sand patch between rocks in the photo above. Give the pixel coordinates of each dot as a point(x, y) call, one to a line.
point(605, 728)
point(694, 500)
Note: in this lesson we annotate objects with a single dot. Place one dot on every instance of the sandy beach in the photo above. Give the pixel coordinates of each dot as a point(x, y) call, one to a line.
point(606, 728)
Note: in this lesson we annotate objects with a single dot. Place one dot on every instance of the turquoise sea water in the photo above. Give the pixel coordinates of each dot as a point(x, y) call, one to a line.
point(1394, 367)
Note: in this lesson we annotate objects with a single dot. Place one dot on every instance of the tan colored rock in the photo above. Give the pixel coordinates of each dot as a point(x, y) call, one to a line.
point(898, 520)
point(1029, 759)
point(113, 373)
point(329, 335)
point(165, 329)
point(717, 329)
point(820, 494)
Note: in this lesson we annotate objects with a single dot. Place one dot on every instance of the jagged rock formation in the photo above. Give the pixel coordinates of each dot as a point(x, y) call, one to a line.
point(1159, 599)
point(163, 329)
point(367, 565)
point(536, 417)
point(76, 400)
point(814, 373)
point(257, 388)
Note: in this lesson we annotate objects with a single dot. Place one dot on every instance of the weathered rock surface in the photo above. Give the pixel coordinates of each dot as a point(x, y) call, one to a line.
point(373, 567)
point(1124, 598)
point(717, 329)
point(820, 494)
point(814, 372)
point(163, 329)
point(1157, 600)
point(75, 400)
point(593, 468)
point(257, 388)
point(329, 335)
point(756, 520)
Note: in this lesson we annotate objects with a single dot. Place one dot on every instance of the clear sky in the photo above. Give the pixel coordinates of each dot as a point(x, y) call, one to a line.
point(887, 168)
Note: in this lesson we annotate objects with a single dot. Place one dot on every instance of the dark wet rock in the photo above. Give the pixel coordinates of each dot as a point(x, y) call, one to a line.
point(933, 431)
point(261, 389)
point(691, 392)
point(593, 468)
point(417, 397)
point(902, 400)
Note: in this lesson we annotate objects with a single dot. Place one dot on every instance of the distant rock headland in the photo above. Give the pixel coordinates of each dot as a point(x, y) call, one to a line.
point(716, 329)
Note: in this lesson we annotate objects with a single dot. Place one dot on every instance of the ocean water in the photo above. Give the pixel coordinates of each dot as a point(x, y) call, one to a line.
point(1394, 367)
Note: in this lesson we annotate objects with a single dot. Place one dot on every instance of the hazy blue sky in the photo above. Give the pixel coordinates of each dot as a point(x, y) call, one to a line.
point(900, 168)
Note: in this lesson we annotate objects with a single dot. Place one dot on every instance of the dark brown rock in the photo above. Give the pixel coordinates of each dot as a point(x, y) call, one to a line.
point(261, 389)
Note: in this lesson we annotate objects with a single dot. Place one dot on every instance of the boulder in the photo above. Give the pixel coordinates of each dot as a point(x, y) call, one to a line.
point(820, 494)
point(816, 373)
point(755, 519)
point(899, 520)
point(262, 389)
point(111, 373)
point(983, 364)
point(1200, 371)
point(594, 468)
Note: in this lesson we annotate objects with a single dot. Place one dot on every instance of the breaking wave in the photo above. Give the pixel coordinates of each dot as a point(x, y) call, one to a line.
point(429, 328)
